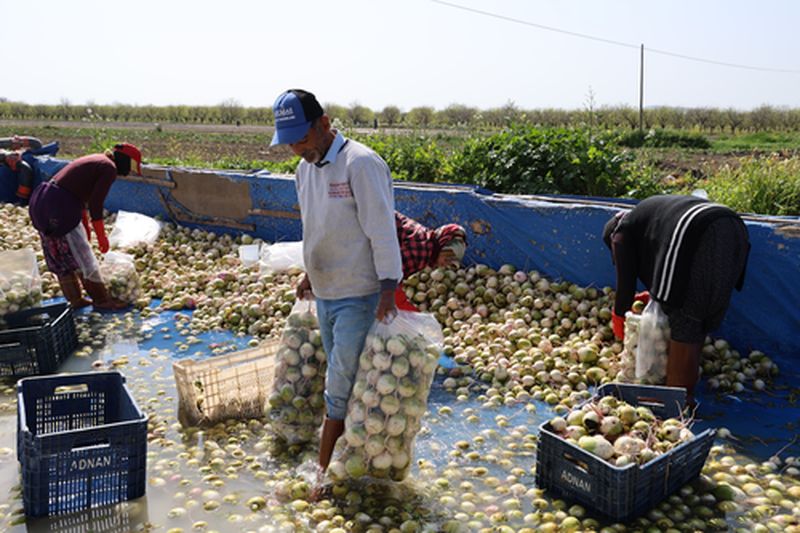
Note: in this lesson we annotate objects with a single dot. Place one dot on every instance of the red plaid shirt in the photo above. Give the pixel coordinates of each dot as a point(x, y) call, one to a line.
point(420, 246)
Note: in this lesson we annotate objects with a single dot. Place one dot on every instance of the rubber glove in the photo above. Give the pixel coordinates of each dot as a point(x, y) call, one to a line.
point(100, 232)
point(618, 325)
point(401, 301)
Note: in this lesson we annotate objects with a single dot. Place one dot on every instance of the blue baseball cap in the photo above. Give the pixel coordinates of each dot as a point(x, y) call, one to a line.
point(294, 112)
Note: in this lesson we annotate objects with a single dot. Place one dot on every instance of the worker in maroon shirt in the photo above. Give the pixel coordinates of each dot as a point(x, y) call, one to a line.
point(74, 195)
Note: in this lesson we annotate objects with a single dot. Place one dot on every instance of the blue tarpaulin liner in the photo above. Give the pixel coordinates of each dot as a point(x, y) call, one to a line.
point(559, 236)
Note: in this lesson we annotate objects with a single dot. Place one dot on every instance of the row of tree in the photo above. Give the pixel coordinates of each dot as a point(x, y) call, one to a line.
point(456, 116)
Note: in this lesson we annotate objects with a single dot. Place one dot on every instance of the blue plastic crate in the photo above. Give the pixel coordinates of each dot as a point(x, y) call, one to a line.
point(82, 442)
point(37, 340)
point(622, 493)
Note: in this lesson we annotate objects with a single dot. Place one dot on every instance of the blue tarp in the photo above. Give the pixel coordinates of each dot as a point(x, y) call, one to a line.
point(558, 236)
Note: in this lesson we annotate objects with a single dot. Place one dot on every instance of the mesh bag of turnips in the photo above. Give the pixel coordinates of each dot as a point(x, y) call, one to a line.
point(653, 346)
point(120, 277)
point(297, 404)
point(131, 229)
point(389, 398)
point(20, 283)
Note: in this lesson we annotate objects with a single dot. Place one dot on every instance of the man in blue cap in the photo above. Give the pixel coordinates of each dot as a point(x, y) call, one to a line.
point(350, 247)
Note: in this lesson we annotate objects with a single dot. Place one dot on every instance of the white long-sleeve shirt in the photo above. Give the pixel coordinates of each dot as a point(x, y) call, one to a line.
point(347, 210)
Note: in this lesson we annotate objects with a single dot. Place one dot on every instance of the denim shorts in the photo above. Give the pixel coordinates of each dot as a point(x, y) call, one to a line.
point(343, 326)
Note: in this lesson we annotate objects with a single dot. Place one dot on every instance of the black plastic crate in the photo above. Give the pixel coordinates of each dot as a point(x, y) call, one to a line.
point(82, 442)
point(37, 340)
point(622, 493)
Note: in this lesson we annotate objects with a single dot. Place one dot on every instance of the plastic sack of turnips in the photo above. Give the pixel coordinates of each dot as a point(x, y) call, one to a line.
point(627, 359)
point(120, 277)
point(20, 283)
point(297, 404)
point(389, 398)
point(653, 347)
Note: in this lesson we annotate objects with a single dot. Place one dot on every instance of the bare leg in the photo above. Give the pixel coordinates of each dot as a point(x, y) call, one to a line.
point(72, 290)
point(683, 367)
point(101, 300)
point(331, 431)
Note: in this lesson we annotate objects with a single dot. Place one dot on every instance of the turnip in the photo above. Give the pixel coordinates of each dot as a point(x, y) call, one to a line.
point(355, 466)
point(382, 461)
point(374, 423)
point(400, 367)
point(396, 345)
point(390, 405)
point(395, 425)
point(374, 445)
point(382, 361)
point(386, 384)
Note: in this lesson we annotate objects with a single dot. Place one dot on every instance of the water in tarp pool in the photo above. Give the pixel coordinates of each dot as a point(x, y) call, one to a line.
point(473, 470)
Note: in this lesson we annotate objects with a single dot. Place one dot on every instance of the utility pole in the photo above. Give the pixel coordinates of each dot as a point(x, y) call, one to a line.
point(641, 88)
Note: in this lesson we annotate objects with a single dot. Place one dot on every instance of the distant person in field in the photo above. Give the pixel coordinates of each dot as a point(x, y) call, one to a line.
point(690, 254)
point(421, 247)
point(60, 210)
point(11, 151)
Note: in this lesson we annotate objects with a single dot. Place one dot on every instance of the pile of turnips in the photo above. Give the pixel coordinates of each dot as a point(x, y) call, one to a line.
point(120, 277)
point(389, 398)
point(727, 371)
point(619, 432)
point(297, 404)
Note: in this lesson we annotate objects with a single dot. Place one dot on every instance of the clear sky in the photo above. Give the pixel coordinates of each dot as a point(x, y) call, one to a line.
point(406, 53)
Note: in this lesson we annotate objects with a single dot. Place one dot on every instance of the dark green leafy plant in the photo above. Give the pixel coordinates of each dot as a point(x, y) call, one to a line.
point(524, 160)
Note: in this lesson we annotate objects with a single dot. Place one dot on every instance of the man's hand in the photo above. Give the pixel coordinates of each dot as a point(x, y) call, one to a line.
point(446, 258)
point(387, 309)
point(304, 290)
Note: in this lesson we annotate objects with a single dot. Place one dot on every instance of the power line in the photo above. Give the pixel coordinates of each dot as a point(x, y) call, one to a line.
point(613, 42)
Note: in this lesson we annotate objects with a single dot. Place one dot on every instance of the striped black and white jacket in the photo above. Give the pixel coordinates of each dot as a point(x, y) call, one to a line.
point(655, 242)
